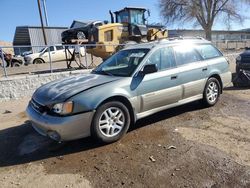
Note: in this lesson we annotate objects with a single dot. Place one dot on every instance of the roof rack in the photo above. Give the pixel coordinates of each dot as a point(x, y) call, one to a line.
point(163, 40)
point(186, 38)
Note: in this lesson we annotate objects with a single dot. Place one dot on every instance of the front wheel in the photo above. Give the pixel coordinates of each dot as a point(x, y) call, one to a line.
point(211, 92)
point(110, 122)
point(16, 64)
point(38, 61)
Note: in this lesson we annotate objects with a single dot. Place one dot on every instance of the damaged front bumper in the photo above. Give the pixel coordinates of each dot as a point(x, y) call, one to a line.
point(60, 128)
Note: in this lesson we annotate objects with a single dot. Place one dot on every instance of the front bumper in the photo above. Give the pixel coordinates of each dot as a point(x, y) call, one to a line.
point(27, 61)
point(60, 128)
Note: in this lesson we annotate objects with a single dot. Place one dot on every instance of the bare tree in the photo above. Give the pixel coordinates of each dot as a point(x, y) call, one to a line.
point(202, 12)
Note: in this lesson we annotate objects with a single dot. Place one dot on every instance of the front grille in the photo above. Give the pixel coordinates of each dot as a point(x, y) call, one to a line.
point(38, 107)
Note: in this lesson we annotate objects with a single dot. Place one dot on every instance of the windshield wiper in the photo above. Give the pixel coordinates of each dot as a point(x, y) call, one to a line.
point(103, 72)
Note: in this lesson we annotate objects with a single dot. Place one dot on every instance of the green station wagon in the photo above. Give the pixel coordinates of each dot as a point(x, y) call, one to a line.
point(136, 82)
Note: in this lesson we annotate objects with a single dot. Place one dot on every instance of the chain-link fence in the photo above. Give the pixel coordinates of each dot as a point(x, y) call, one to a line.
point(49, 59)
point(58, 58)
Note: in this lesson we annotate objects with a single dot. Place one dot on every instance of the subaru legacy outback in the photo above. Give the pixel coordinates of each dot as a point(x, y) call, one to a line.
point(135, 82)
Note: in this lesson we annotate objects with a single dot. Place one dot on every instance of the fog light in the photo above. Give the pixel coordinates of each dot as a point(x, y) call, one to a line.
point(54, 136)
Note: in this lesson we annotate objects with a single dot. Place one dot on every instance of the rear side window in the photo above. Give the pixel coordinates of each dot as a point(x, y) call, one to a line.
point(208, 51)
point(186, 54)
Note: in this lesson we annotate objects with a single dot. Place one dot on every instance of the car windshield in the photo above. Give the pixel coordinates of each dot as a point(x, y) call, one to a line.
point(79, 24)
point(122, 63)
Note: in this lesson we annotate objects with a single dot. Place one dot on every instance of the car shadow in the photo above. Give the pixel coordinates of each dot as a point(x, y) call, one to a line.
point(232, 88)
point(21, 144)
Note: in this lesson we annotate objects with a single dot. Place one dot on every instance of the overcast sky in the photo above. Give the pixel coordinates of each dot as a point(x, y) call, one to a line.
point(62, 12)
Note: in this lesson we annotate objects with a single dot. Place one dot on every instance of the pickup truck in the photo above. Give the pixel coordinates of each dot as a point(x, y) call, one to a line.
point(57, 53)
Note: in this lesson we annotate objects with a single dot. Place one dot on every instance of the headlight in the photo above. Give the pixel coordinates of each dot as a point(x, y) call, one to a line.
point(63, 108)
point(238, 58)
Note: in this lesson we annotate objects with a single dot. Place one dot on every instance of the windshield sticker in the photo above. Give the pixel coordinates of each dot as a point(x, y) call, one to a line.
point(138, 55)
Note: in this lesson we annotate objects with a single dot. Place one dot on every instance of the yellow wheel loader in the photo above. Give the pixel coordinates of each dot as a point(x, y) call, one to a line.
point(128, 26)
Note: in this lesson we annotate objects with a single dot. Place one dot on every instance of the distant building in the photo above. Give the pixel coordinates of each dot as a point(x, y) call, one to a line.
point(33, 36)
point(217, 35)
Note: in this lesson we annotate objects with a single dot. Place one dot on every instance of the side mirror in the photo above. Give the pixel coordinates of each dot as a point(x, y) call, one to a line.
point(150, 68)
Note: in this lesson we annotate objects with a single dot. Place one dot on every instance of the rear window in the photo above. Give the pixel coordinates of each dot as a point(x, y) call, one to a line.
point(208, 51)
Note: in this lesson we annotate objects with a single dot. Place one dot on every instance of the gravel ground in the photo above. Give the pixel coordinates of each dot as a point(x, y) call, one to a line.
point(188, 146)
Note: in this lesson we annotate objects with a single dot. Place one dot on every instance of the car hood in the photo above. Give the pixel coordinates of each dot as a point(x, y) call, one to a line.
point(245, 53)
point(60, 90)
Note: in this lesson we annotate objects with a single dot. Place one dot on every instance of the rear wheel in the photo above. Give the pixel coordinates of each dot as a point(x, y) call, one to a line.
point(211, 92)
point(110, 122)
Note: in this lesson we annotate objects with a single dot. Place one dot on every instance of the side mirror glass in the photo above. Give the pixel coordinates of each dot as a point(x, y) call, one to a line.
point(150, 68)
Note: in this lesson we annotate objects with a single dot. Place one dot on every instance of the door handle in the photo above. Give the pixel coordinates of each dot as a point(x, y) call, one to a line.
point(174, 77)
point(204, 69)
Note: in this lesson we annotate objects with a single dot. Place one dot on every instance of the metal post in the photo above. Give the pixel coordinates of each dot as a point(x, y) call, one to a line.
point(4, 65)
point(79, 55)
point(50, 63)
point(45, 13)
point(86, 59)
point(41, 19)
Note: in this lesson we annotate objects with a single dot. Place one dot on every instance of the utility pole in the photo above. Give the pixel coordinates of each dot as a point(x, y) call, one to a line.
point(41, 19)
point(45, 12)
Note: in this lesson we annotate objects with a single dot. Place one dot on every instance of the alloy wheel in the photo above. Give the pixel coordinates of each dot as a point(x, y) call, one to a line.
point(212, 92)
point(111, 122)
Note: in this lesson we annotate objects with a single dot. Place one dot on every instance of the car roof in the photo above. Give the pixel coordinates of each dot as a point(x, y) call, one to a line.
point(169, 41)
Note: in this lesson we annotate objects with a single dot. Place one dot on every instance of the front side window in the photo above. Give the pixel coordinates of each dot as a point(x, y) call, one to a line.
point(123, 17)
point(51, 48)
point(208, 51)
point(163, 58)
point(123, 63)
point(185, 54)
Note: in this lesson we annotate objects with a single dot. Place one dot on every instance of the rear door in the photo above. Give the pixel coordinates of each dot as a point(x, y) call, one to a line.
point(160, 88)
point(192, 70)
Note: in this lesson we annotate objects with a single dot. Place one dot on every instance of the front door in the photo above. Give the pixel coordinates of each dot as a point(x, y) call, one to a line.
point(160, 88)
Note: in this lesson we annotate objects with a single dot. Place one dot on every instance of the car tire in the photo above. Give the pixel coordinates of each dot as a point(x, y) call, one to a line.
point(81, 35)
point(211, 92)
point(16, 64)
point(111, 121)
point(38, 61)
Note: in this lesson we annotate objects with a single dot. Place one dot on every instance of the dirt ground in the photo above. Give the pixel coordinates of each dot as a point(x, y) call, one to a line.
point(188, 146)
